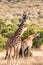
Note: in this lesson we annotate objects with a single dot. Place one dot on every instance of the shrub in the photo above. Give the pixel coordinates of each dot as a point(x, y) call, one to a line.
point(26, 34)
point(38, 41)
point(2, 42)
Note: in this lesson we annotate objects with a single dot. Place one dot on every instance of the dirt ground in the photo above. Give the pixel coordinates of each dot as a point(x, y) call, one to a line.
point(36, 59)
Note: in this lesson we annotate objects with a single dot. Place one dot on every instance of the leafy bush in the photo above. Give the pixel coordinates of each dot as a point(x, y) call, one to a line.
point(15, 21)
point(6, 31)
point(26, 34)
point(37, 42)
point(2, 42)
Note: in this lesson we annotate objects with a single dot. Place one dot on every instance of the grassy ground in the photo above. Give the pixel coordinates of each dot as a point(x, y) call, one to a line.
point(28, 61)
point(34, 60)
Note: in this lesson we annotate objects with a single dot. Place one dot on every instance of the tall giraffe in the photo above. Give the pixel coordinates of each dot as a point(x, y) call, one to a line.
point(28, 42)
point(15, 40)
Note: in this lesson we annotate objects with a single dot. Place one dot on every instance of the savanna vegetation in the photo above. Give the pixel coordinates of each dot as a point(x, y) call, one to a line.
point(9, 26)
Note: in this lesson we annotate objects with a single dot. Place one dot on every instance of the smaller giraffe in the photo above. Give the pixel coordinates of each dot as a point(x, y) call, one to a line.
point(28, 42)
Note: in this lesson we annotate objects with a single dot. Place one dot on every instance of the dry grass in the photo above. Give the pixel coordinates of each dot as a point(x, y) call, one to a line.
point(29, 61)
point(34, 60)
point(34, 8)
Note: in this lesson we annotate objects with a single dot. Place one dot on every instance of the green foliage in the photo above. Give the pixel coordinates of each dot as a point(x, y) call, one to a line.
point(33, 27)
point(37, 42)
point(2, 42)
point(26, 34)
point(15, 21)
point(7, 28)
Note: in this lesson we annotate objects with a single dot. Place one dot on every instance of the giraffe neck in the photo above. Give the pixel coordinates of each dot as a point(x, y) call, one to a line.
point(19, 31)
point(31, 37)
point(35, 35)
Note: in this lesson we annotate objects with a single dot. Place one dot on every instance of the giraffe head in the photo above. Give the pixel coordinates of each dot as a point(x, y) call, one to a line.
point(34, 36)
point(38, 34)
point(24, 16)
point(23, 19)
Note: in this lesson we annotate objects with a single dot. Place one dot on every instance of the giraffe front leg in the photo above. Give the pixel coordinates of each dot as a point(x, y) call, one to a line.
point(29, 52)
point(22, 51)
point(14, 56)
point(9, 57)
point(17, 52)
point(14, 53)
point(6, 54)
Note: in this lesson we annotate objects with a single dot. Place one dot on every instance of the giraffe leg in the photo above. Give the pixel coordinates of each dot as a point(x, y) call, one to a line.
point(17, 55)
point(14, 56)
point(6, 54)
point(28, 51)
point(19, 47)
point(15, 52)
point(22, 51)
point(9, 57)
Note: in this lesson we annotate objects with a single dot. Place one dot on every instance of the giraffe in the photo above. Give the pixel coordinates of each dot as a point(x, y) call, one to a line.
point(15, 41)
point(28, 42)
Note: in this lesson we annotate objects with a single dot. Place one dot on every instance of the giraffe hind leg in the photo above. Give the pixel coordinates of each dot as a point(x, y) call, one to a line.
point(6, 54)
